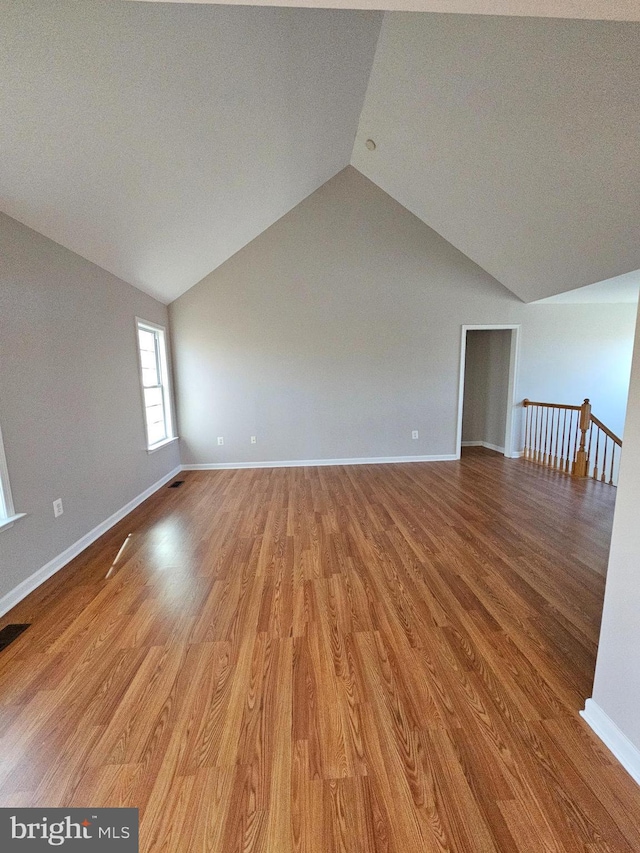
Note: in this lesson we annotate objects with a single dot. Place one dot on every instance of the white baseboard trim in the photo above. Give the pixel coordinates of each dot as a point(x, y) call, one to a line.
point(483, 444)
point(493, 447)
point(626, 752)
point(314, 463)
point(23, 589)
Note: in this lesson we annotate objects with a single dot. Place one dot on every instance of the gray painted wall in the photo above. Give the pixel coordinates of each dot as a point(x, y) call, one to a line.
point(486, 385)
point(475, 388)
point(70, 404)
point(617, 683)
point(336, 332)
point(583, 352)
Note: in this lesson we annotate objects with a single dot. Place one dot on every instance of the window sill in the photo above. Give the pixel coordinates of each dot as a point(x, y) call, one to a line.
point(6, 523)
point(162, 444)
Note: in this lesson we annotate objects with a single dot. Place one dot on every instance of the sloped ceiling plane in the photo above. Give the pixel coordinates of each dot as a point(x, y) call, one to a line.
point(157, 139)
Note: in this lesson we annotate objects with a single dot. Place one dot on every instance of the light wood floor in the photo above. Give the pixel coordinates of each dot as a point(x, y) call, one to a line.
point(367, 659)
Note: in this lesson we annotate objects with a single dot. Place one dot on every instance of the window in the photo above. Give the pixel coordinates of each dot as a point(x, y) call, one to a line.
point(7, 513)
point(154, 376)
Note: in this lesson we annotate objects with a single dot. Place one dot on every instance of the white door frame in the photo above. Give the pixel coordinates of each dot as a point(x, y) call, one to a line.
point(511, 392)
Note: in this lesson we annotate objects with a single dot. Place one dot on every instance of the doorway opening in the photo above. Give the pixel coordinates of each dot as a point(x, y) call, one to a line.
point(488, 365)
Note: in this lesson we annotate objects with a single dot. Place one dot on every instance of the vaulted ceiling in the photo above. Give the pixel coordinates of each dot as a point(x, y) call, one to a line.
point(613, 10)
point(157, 139)
point(515, 139)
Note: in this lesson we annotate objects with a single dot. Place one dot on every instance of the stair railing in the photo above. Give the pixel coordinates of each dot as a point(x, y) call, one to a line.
point(570, 439)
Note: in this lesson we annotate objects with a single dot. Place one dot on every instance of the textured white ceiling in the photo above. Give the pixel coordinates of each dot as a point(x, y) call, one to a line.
point(517, 139)
point(615, 10)
point(622, 289)
point(157, 140)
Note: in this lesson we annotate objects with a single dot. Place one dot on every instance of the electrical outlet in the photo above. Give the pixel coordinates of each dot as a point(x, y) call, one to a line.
point(57, 508)
point(414, 434)
point(220, 440)
point(253, 439)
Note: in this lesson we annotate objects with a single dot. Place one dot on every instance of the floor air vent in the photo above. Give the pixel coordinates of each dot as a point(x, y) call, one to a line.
point(10, 633)
point(176, 483)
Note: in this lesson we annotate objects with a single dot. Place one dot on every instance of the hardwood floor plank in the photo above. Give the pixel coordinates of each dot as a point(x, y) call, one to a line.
point(368, 659)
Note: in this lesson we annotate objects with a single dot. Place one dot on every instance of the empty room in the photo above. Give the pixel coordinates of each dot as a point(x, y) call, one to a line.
point(318, 417)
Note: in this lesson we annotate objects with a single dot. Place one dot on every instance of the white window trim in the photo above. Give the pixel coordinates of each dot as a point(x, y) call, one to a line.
point(162, 444)
point(8, 514)
point(165, 369)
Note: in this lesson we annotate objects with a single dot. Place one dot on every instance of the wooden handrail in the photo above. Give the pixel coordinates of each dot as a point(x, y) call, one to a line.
point(576, 444)
point(606, 430)
point(526, 403)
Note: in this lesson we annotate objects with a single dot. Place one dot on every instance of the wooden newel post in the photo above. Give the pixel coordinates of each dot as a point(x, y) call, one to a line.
point(580, 465)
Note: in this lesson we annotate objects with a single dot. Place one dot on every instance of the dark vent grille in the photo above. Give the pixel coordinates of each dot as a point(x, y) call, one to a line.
point(176, 483)
point(10, 633)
